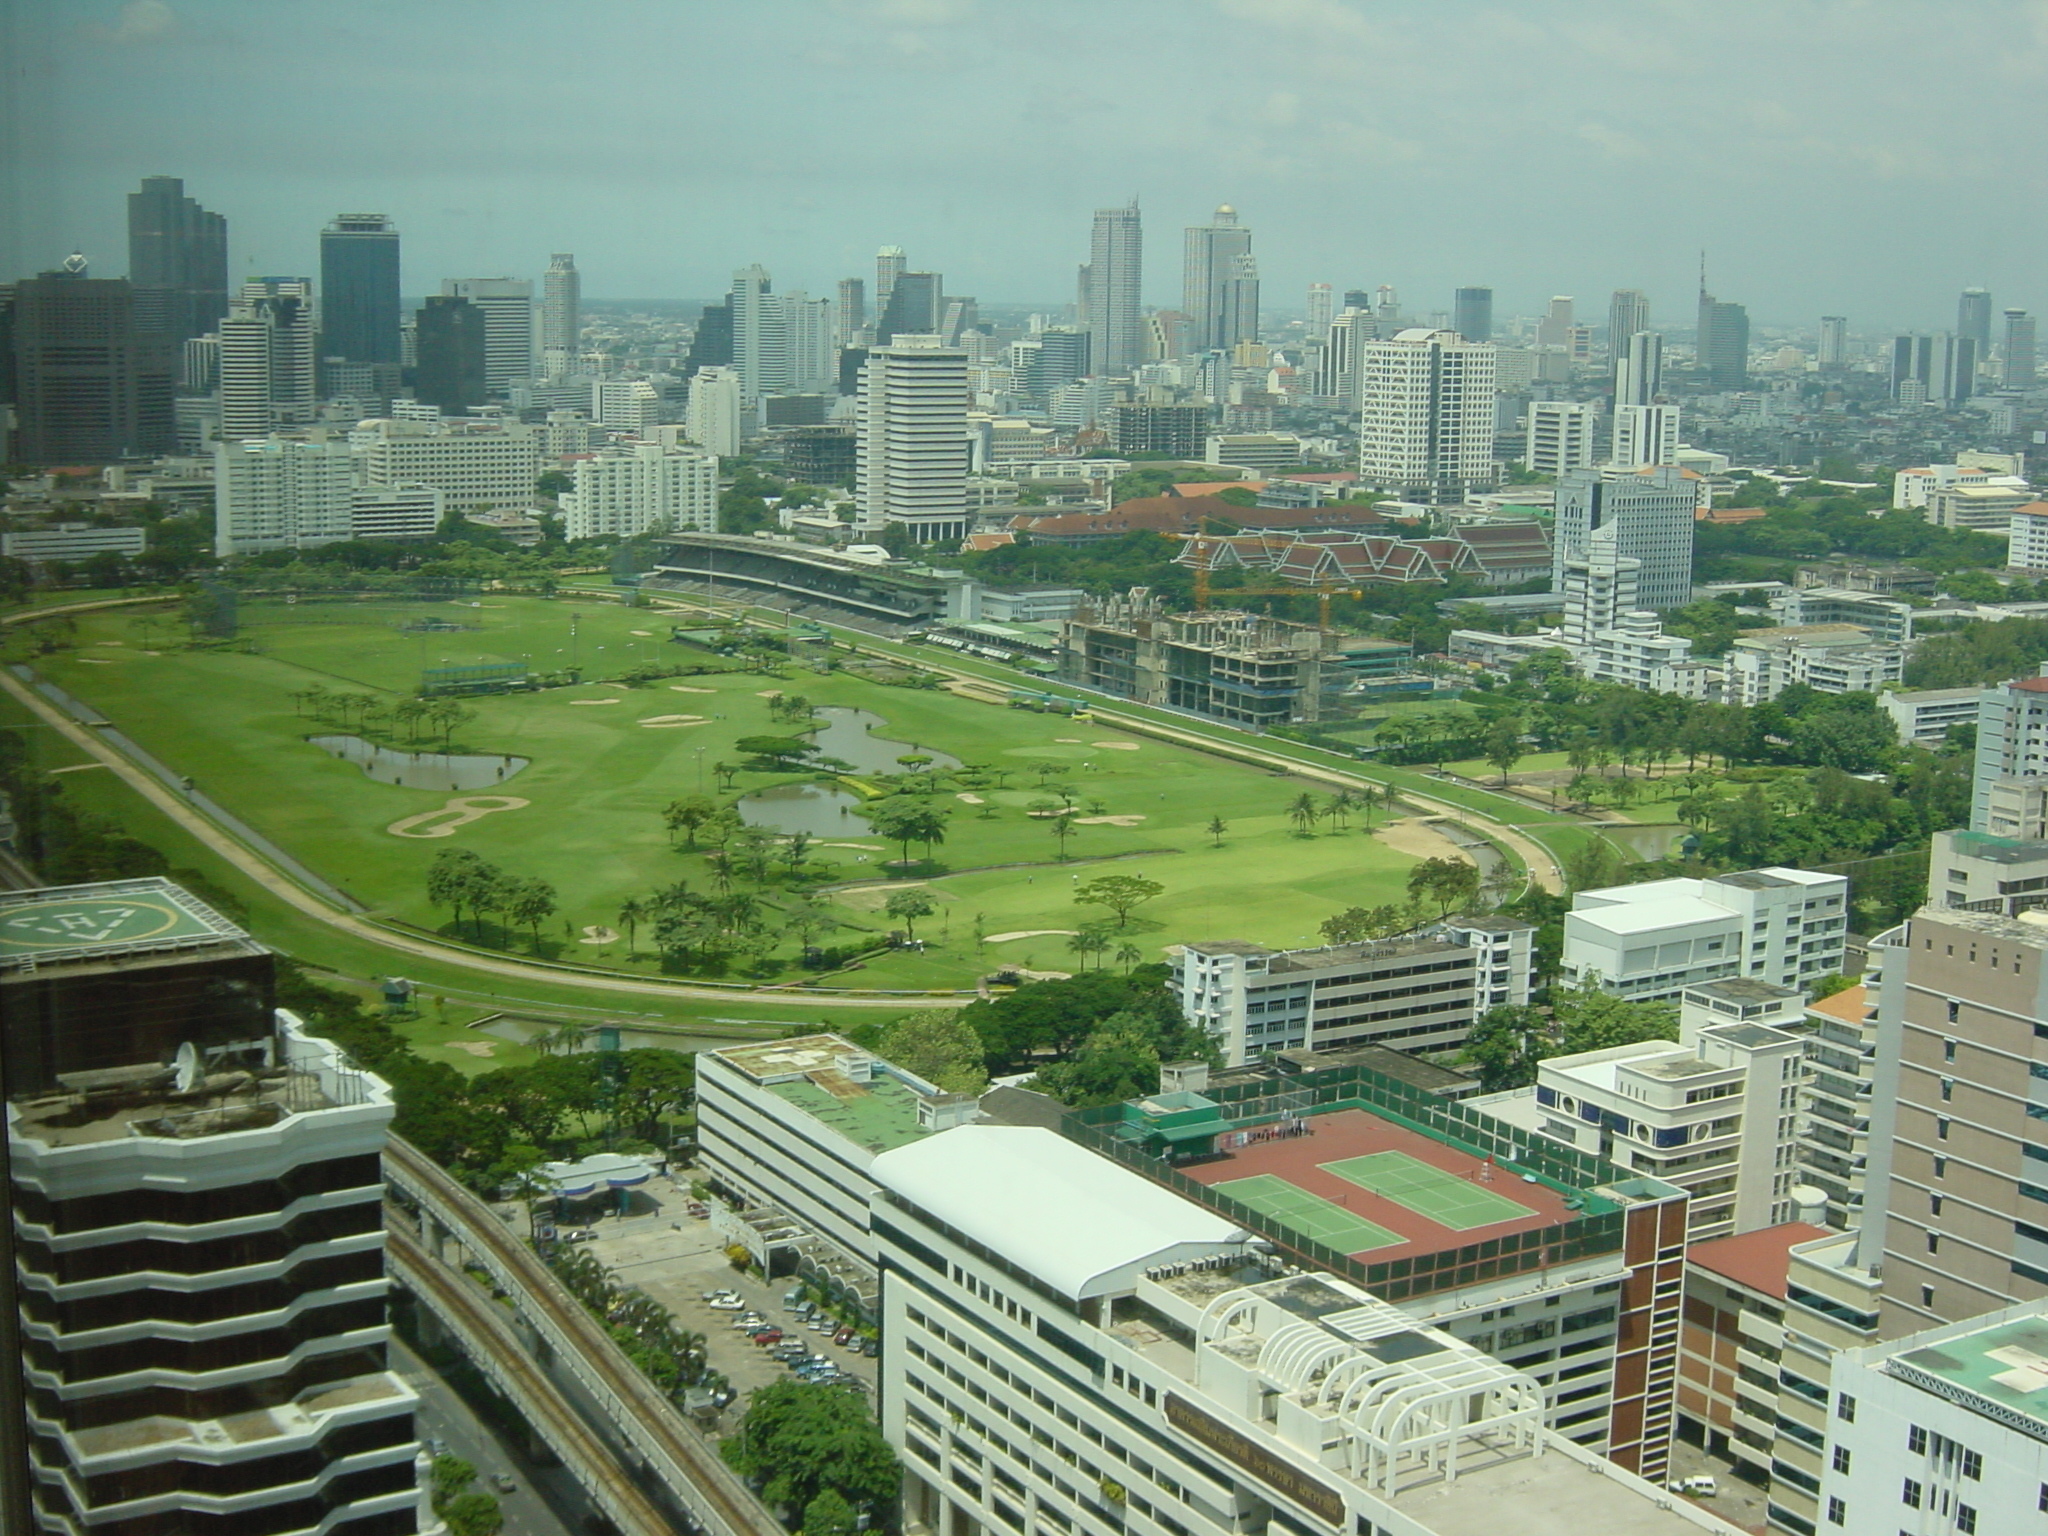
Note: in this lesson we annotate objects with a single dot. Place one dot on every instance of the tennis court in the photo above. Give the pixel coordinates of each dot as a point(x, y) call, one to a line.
point(1312, 1216)
point(1441, 1196)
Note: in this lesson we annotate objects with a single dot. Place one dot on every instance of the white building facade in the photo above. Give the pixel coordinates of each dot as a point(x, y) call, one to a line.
point(637, 488)
point(1559, 436)
point(716, 415)
point(281, 493)
point(910, 440)
point(1650, 513)
point(1426, 414)
point(1644, 435)
point(1649, 942)
point(507, 304)
point(474, 464)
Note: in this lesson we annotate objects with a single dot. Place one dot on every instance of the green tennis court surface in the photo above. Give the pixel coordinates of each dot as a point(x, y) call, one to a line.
point(1310, 1215)
point(1445, 1198)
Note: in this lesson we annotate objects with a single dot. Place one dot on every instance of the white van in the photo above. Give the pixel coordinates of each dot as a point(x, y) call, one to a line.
point(1702, 1486)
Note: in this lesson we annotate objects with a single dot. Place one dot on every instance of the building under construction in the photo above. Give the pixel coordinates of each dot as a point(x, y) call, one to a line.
point(1241, 667)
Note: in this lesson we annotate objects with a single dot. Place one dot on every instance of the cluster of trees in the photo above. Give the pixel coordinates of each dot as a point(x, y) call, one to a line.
point(667, 1354)
point(1508, 1041)
point(816, 1453)
point(464, 881)
point(1812, 521)
point(1979, 654)
point(466, 1509)
point(366, 713)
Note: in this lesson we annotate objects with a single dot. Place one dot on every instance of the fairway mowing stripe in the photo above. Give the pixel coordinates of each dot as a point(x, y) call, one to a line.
point(1319, 1220)
point(1434, 1193)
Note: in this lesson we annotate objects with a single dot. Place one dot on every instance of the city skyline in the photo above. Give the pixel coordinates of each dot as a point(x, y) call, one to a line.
point(998, 209)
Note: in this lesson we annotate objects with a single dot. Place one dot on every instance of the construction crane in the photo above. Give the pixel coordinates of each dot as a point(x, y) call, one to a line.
point(1324, 592)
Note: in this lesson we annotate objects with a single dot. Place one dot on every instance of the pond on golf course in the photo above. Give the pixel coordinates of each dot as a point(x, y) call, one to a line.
point(421, 770)
point(819, 809)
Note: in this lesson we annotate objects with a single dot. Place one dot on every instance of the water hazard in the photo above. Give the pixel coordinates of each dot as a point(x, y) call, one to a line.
point(421, 770)
point(853, 736)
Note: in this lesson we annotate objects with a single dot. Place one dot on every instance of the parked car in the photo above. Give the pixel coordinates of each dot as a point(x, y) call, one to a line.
point(768, 1336)
point(872, 1348)
point(581, 1235)
point(727, 1304)
point(819, 1323)
point(843, 1337)
point(721, 1292)
point(1701, 1485)
point(502, 1483)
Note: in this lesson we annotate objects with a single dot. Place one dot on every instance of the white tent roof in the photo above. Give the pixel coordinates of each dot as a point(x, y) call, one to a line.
point(600, 1171)
point(1079, 1222)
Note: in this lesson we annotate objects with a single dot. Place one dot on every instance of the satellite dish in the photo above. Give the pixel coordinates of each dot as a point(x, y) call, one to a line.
point(188, 1067)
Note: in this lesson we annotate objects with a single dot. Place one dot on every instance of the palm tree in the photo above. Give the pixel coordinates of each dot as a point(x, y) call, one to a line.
point(1062, 824)
point(1304, 813)
point(1089, 941)
point(1338, 809)
point(1128, 955)
point(632, 912)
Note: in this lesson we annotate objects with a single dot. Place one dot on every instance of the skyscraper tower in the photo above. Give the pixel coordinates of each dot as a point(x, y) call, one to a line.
point(889, 264)
point(177, 259)
point(910, 440)
point(507, 303)
point(2019, 350)
point(1426, 417)
point(1555, 328)
point(853, 311)
point(760, 351)
point(561, 315)
point(1973, 319)
point(1628, 311)
point(195, 1285)
point(1649, 516)
point(915, 307)
point(1116, 250)
point(1638, 369)
point(266, 358)
point(1240, 317)
point(359, 289)
point(451, 347)
point(90, 384)
point(1472, 313)
point(1212, 250)
point(1322, 309)
point(1834, 341)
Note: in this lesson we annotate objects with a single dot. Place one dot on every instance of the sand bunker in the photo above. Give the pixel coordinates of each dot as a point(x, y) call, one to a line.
point(598, 935)
point(474, 1047)
point(1068, 741)
point(644, 634)
point(968, 799)
point(1028, 933)
point(670, 722)
point(1418, 836)
point(1116, 746)
point(622, 687)
point(460, 812)
point(1111, 821)
point(593, 701)
point(686, 688)
point(863, 847)
point(97, 661)
point(769, 693)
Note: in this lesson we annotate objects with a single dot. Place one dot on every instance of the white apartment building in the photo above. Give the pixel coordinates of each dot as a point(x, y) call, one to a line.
point(716, 416)
point(474, 464)
point(1828, 658)
point(1651, 941)
point(1419, 992)
point(561, 314)
point(1944, 1431)
point(1712, 1112)
point(636, 488)
point(281, 493)
point(395, 511)
point(1426, 414)
point(1987, 508)
point(72, 541)
point(1559, 436)
point(1084, 1352)
point(2012, 750)
point(1834, 1102)
point(1914, 488)
point(507, 303)
point(267, 346)
point(1649, 515)
point(910, 440)
point(796, 1125)
point(1611, 639)
point(625, 405)
point(1645, 435)
point(2028, 534)
point(1923, 715)
point(1264, 452)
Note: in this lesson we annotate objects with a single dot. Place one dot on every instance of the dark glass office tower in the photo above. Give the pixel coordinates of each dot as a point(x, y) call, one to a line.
point(91, 384)
point(451, 354)
point(177, 259)
point(359, 289)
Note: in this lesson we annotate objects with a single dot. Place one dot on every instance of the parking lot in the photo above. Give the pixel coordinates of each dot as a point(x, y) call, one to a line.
point(675, 1258)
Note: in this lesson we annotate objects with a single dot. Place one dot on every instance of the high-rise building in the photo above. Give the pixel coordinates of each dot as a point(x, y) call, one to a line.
point(1638, 368)
point(1933, 370)
point(1559, 437)
point(267, 347)
point(1721, 347)
point(635, 488)
point(177, 259)
point(911, 440)
point(1472, 313)
point(359, 289)
point(195, 1291)
point(1645, 435)
point(1208, 265)
point(507, 303)
point(1833, 351)
point(889, 264)
point(477, 465)
point(449, 341)
point(281, 493)
point(760, 355)
point(2011, 757)
point(1057, 356)
point(807, 338)
point(915, 307)
point(1114, 311)
point(1555, 328)
point(1628, 312)
point(716, 418)
point(1240, 318)
point(90, 384)
point(852, 318)
point(561, 315)
point(1341, 369)
point(1973, 319)
point(2018, 355)
point(1426, 414)
point(711, 342)
point(1322, 309)
point(1652, 514)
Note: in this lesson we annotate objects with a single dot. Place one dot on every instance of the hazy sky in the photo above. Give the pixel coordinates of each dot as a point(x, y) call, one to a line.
point(1867, 157)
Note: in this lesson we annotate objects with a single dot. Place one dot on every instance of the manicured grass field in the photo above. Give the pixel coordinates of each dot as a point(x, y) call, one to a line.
point(599, 778)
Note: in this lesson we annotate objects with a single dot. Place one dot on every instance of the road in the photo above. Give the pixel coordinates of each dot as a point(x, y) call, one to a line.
point(546, 1500)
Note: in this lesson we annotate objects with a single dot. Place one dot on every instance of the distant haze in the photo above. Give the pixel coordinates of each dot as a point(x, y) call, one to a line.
point(1863, 157)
